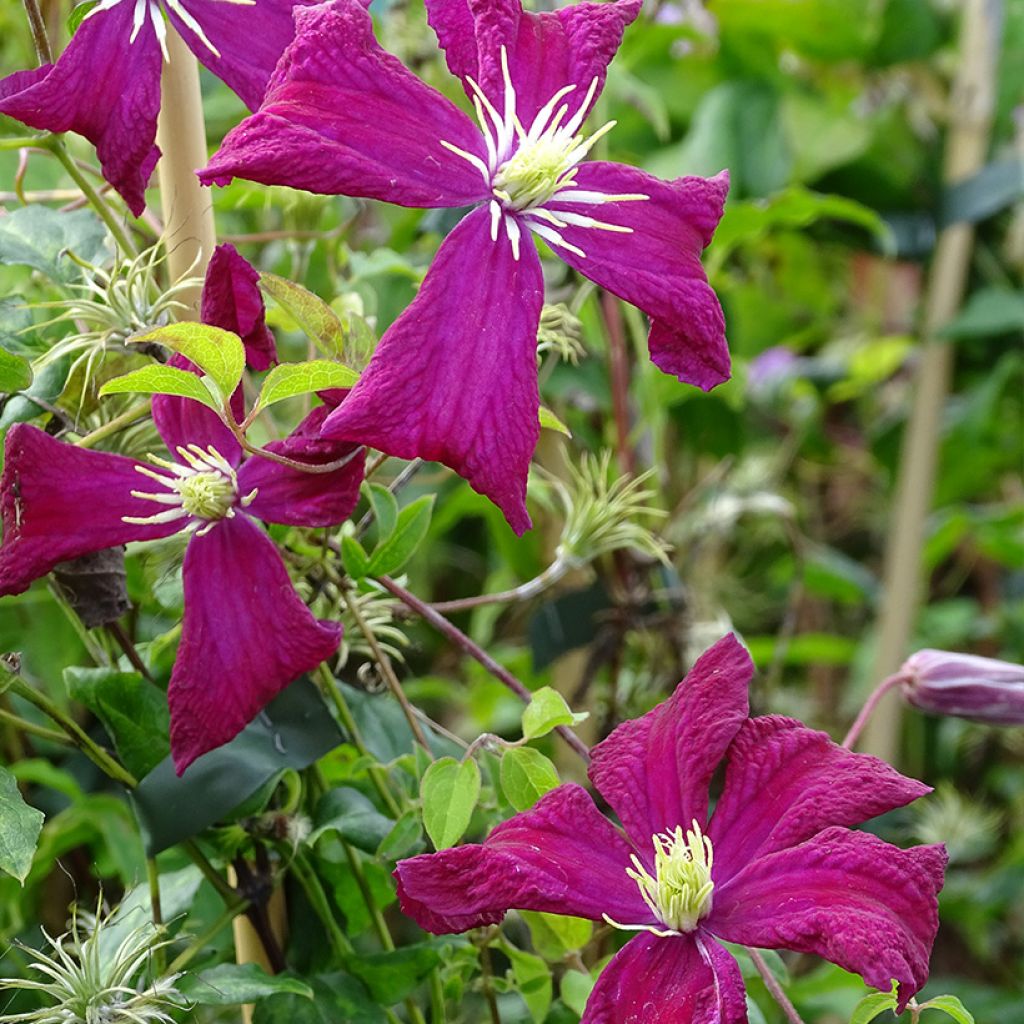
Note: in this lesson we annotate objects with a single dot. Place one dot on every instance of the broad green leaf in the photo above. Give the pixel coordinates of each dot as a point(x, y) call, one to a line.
point(951, 1006)
point(533, 980)
point(404, 839)
point(550, 421)
point(20, 826)
point(78, 13)
point(554, 935)
point(40, 237)
point(385, 509)
point(546, 710)
point(219, 354)
point(988, 312)
point(354, 558)
point(410, 528)
point(392, 976)
point(526, 775)
point(337, 997)
point(353, 816)
point(15, 372)
point(575, 988)
point(48, 384)
point(874, 1004)
point(449, 792)
point(290, 379)
point(133, 711)
point(315, 318)
point(161, 380)
point(231, 984)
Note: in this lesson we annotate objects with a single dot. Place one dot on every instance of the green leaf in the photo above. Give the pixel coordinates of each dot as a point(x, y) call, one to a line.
point(554, 935)
point(404, 839)
point(78, 13)
point(132, 710)
point(411, 527)
point(874, 1004)
point(533, 980)
point(354, 557)
point(48, 385)
point(575, 989)
point(550, 421)
point(290, 379)
point(219, 354)
point(231, 984)
point(385, 509)
point(315, 318)
point(987, 313)
point(951, 1006)
point(526, 775)
point(161, 380)
point(547, 710)
point(40, 237)
point(20, 826)
point(353, 816)
point(336, 997)
point(449, 792)
point(15, 373)
point(392, 976)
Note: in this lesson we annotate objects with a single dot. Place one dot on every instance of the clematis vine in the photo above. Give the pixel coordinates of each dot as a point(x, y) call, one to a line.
point(106, 84)
point(454, 379)
point(246, 633)
point(775, 866)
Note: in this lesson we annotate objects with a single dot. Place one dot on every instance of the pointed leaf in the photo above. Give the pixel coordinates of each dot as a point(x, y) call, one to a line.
point(231, 984)
point(15, 373)
point(20, 826)
point(290, 379)
point(951, 1006)
point(449, 792)
point(354, 558)
point(550, 421)
point(161, 380)
point(219, 354)
point(874, 1004)
point(385, 509)
point(315, 318)
point(41, 237)
point(547, 710)
point(411, 527)
point(526, 775)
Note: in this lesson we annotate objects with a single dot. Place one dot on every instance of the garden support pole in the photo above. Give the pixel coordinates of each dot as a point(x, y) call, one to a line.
point(970, 121)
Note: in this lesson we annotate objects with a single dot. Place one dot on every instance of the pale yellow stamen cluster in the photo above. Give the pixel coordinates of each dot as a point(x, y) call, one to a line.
point(204, 486)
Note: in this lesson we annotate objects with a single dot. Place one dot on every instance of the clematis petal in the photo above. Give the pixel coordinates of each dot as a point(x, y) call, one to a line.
point(59, 502)
point(849, 897)
point(343, 117)
point(454, 379)
point(682, 979)
point(656, 265)
point(547, 51)
point(105, 88)
point(655, 770)
point(182, 421)
point(785, 782)
point(245, 636)
point(248, 39)
point(232, 300)
point(285, 495)
point(562, 857)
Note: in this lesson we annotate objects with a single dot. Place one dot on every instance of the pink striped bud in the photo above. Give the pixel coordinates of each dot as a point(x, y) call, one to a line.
point(965, 685)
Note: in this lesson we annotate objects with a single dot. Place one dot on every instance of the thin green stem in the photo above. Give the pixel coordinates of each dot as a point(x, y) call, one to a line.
point(40, 731)
point(24, 142)
point(211, 874)
point(125, 419)
point(198, 944)
point(774, 988)
point(378, 777)
point(438, 1014)
point(307, 878)
point(76, 733)
point(153, 877)
point(55, 144)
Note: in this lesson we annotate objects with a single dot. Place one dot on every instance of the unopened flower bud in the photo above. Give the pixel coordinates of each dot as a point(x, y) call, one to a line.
point(965, 685)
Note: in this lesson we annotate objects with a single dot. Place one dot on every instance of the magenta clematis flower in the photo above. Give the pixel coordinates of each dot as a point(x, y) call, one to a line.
point(775, 866)
point(106, 84)
point(455, 378)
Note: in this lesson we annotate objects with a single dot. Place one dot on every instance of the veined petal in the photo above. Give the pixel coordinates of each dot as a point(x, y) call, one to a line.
point(656, 264)
point(561, 857)
point(784, 783)
point(285, 495)
point(245, 636)
point(681, 979)
point(182, 421)
point(570, 46)
point(232, 300)
point(849, 897)
point(59, 502)
point(454, 379)
point(655, 770)
point(249, 39)
point(343, 117)
point(104, 88)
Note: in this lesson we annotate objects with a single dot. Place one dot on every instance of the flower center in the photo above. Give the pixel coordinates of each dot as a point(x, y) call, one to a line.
point(536, 171)
point(203, 486)
point(680, 890)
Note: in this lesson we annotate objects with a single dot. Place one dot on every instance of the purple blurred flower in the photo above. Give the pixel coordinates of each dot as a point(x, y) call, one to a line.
point(106, 84)
point(455, 378)
point(965, 685)
point(776, 867)
point(770, 368)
